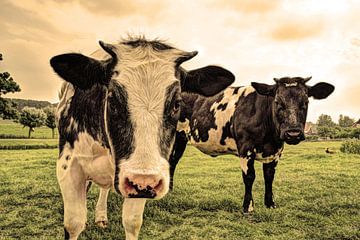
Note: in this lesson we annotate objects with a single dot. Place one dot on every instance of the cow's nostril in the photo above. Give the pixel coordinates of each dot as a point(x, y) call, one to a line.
point(159, 186)
point(129, 185)
point(142, 186)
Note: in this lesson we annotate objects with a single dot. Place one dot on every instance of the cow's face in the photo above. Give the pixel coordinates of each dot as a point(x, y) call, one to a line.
point(143, 81)
point(290, 104)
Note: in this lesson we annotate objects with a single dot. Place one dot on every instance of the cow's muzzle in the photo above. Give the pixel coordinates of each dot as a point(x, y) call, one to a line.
point(142, 185)
point(293, 136)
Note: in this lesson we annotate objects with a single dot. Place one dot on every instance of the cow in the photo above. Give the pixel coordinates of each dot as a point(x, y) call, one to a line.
point(117, 119)
point(251, 122)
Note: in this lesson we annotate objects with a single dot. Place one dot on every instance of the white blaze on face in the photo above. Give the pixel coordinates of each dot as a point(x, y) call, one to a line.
point(291, 84)
point(146, 75)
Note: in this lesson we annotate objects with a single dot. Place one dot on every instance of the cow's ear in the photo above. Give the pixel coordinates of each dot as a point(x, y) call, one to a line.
point(78, 69)
point(206, 81)
point(264, 89)
point(321, 90)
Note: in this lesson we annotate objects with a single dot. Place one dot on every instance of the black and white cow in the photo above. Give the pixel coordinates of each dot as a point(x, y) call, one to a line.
point(251, 122)
point(117, 121)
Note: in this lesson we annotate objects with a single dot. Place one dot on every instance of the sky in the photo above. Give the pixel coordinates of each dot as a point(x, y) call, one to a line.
point(257, 40)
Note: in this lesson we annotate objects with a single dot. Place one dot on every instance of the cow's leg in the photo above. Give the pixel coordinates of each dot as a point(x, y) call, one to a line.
point(176, 154)
point(72, 181)
point(88, 186)
point(132, 216)
point(269, 172)
point(248, 173)
point(101, 208)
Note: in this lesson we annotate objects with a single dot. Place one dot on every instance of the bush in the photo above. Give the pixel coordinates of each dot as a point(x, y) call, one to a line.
point(9, 136)
point(26, 147)
point(351, 147)
point(311, 138)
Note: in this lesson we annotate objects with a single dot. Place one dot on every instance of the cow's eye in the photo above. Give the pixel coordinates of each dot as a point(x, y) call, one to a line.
point(177, 105)
point(280, 106)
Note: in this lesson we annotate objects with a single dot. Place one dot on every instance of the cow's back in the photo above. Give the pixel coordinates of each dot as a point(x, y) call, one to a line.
point(211, 121)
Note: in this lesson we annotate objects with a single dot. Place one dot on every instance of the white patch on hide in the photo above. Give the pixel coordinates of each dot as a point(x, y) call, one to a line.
point(73, 125)
point(212, 146)
point(95, 160)
point(269, 159)
point(65, 95)
point(183, 126)
point(243, 165)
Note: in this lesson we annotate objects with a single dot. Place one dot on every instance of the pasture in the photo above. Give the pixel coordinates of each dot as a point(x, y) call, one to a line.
point(317, 195)
point(15, 130)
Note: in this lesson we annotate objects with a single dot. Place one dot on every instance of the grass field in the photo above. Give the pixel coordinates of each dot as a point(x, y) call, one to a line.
point(8, 127)
point(317, 196)
point(28, 143)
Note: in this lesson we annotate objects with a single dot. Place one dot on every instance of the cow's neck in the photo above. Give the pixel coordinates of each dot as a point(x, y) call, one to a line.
point(272, 134)
point(187, 108)
point(85, 115)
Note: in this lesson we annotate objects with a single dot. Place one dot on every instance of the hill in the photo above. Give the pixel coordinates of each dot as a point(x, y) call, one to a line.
point(21, 103)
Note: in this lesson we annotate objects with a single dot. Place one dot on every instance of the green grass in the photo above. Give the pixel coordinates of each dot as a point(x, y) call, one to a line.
point(16, 130)
point(28, 143)
point(317, 196)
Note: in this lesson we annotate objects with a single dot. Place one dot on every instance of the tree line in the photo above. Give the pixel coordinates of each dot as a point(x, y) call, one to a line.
point(30, 117)
point(327, 128)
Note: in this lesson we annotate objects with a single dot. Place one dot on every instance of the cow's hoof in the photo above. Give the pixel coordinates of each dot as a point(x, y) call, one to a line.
point(250, 209)
point(101, 219)
point(272, 206)
point(102, 224)
point(247, 214)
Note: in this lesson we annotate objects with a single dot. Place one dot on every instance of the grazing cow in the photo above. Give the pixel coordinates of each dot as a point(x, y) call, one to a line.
point(250, 122)
point(117, 120)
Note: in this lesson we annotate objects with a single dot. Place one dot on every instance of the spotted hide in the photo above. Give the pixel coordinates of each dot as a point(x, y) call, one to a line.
point(250, 122)
point(117, 119)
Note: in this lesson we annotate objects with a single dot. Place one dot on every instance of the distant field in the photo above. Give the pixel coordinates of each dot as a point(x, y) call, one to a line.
point(8, 127)
point(28, 143)
point(317, 196)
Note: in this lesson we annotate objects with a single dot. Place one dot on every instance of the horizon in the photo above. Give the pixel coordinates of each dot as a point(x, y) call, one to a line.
point(307, 120)
point(256, 40)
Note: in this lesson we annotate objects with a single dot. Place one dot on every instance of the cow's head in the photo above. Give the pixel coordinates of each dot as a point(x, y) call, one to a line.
point(143, 80)
point(290, 104)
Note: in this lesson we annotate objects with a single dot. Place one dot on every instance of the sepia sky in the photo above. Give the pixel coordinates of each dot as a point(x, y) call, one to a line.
point(255, 39)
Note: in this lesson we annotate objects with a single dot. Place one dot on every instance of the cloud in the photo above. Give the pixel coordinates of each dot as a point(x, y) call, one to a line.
point(297, 30)
point(250, 6)
point(121, 9)
point(22, 18)
point(356, 42)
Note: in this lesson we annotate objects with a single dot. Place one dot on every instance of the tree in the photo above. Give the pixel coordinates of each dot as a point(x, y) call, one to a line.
point(355, 133)
point(50, 119)
point(32, 118)
point(345, 121)
point(330, 132)
point(7, 85)
point(325, 121)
